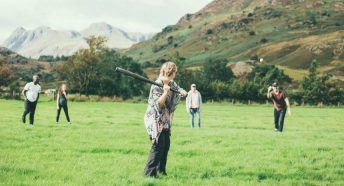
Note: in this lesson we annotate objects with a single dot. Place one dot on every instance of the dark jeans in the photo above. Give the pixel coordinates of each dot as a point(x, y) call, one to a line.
point(279, 118)
point(29, 107)
point(157, 157)
point(65, 109)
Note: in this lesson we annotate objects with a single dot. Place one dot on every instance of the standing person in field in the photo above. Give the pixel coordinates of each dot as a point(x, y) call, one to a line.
point(281, 105)
point(61, 102)
point(193, 105)
point(161, 104)
point(31, 94)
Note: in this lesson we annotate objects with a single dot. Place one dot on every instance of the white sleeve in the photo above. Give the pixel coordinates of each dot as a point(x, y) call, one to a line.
point(39, 90)
point(187, 101)
point(27, 86)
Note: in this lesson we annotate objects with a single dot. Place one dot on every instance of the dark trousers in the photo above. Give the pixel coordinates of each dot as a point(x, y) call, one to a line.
point(157, 157)
point(65, 109)
point(29, 107)
point(279, 118)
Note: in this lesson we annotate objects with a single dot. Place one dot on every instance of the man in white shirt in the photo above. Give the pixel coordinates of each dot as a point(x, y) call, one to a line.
point(193, 105)
point(31, 94)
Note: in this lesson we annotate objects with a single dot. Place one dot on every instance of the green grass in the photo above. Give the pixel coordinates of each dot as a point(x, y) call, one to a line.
point(107, 145)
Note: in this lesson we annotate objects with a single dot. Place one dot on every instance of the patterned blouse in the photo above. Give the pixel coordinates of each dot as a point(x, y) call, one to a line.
point(156, 119)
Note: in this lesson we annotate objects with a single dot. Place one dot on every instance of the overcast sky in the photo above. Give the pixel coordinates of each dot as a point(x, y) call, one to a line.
point(130, 15)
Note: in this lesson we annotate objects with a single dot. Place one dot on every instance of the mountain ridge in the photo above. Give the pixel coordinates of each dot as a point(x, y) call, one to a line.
point(44, 40)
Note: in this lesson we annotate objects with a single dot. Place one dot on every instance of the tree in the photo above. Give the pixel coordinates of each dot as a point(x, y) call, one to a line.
point(92, 71)
point(81, 68)
point(185, 77)
point(217, 70)
point(315, 89)
point(264, 75)
point(219, 90)
point(127, 86)
point(215, 74)
point(336, 95)
point(6, 74)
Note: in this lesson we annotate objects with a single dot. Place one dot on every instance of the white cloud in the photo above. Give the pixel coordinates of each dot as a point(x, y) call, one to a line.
point(132, 15)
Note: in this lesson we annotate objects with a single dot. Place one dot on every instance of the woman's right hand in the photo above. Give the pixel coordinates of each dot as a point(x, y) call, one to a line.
point(57, 107)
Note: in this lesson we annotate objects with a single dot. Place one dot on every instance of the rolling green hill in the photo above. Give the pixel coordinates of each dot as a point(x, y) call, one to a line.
point(9, 57)
point(287, 33)
point(18, 70)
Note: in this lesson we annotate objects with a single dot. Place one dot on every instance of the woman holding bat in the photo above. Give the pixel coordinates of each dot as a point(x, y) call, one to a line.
point(162, 102)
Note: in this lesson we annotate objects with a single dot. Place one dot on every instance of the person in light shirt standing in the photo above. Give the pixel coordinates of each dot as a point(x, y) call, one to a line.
point(31, 94)
point(193, 105)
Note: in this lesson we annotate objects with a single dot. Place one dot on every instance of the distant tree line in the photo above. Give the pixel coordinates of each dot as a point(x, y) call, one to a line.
point(92, 71)
point(217, 82)
point(51, 58)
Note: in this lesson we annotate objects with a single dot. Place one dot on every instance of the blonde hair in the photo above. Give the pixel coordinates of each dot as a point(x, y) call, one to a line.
point(60, 88)
point(168, 68)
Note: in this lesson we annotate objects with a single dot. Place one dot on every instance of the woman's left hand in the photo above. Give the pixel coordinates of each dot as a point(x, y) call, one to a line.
point(183, 93)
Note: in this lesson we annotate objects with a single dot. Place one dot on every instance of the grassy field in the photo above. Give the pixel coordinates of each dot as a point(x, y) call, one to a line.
point(107, 145)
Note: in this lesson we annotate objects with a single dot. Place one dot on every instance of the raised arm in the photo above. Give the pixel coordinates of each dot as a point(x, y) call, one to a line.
point(163, 97)
point(268, 95)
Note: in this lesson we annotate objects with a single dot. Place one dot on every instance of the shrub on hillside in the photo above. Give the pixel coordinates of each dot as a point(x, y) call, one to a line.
point(273, 13)
point(188, 17)
point(210, 31)
point(167, 29)
point(264, 40)
point(170, 40)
